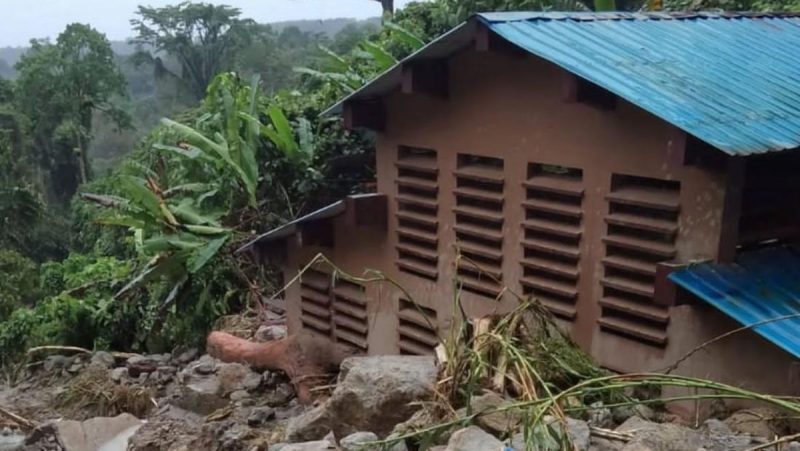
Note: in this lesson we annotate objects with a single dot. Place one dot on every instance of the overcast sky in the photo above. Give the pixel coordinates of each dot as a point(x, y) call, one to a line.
point(21, 20)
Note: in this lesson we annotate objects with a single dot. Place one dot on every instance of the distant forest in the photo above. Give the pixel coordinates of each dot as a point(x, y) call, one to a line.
point(290, 44)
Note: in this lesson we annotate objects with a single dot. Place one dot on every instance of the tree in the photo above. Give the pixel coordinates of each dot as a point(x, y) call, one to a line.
point(203, 38)
point(60, 86)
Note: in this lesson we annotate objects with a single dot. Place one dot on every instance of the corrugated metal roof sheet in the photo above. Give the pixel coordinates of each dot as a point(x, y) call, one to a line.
point(732, 80)
point(290, 228)
point(760, 288)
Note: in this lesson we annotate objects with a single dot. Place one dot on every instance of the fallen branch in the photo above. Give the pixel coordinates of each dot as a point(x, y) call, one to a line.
point(778, 441)
point(20, 421)
point(59, 349)
point(610, 434)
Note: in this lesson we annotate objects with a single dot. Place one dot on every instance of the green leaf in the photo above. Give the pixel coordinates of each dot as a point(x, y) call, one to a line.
point(121, 220)
point(205, 230)
point(136, 191)
point(188, 214)
point(405, 36)
point(383, 59)
point(201, 257)
point(188, 188)
point(283, 128)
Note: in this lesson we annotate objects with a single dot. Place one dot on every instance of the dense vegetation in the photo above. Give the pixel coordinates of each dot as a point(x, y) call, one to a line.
point(117, 226)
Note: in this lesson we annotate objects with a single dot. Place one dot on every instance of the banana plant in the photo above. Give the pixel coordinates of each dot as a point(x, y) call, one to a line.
point(370, 58)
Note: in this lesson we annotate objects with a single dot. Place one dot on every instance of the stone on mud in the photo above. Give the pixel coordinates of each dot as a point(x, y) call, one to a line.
point(359, 441)
point(473, 438)
point(313, 424)
point(492, 420)
point(376, 393)
point(101, 433)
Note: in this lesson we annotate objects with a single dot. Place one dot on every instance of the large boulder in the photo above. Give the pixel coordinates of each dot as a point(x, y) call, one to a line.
point(494, 413)
point(313, 424)
point(106, 433)
point(760, 422)
point(360, 441)
point(473, 438)
point(375, 393)
point(714, 435)
point(206, 384)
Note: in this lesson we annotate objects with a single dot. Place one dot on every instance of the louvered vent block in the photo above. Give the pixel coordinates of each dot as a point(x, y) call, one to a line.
point(315, 301)
point(417, 329)
point(642, 226)
point(552, 231)
point(350, 321)
point(478, 223)
point(417, 212)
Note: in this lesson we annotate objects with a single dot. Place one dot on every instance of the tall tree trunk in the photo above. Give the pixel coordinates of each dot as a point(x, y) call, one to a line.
point(388, 7)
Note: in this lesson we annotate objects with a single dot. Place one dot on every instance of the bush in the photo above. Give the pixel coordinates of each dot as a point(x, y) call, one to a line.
point(19, 276)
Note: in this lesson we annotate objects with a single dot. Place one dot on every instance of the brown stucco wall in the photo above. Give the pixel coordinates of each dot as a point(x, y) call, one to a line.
point(513, 107)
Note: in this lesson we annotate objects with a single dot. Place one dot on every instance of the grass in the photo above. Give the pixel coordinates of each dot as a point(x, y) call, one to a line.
point(92, 393)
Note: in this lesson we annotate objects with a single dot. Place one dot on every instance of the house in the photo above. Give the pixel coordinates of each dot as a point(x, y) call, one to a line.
point(636, 173)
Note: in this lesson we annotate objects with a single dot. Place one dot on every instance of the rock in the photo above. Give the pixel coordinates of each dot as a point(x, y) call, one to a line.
point(320, 445)
point(239, 395)
point(359, 442)
point(106, 433)
point(139, 364)
point(270, 333)
point(252, 381)
point(102, 358)
point(793, 446)
point(718, 436)
point(186, 356)
point(761, 422)
point(167, 370)
point(473, 438)
point(56, 362)
point(118, 374)
point(10, 440)
point(205, 365)
point(235, 437)
point(280, 396)
point(713, 436)
point(375, 393)
point(498, 422)
point(312, 424)
point(600, 416)
point(622, 413)
point(260, 415)
point(206, 391)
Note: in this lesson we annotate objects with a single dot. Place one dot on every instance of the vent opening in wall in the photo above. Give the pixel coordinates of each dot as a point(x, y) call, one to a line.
point(417, 212)
point(642, 224)
point(315, 301)
point(350, 322)
point(594, 95)
point(479, 221)
point(552, 231)
point(417, 329)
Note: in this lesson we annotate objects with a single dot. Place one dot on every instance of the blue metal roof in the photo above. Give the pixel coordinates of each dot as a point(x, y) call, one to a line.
point(760, 288)
point(732, 80)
